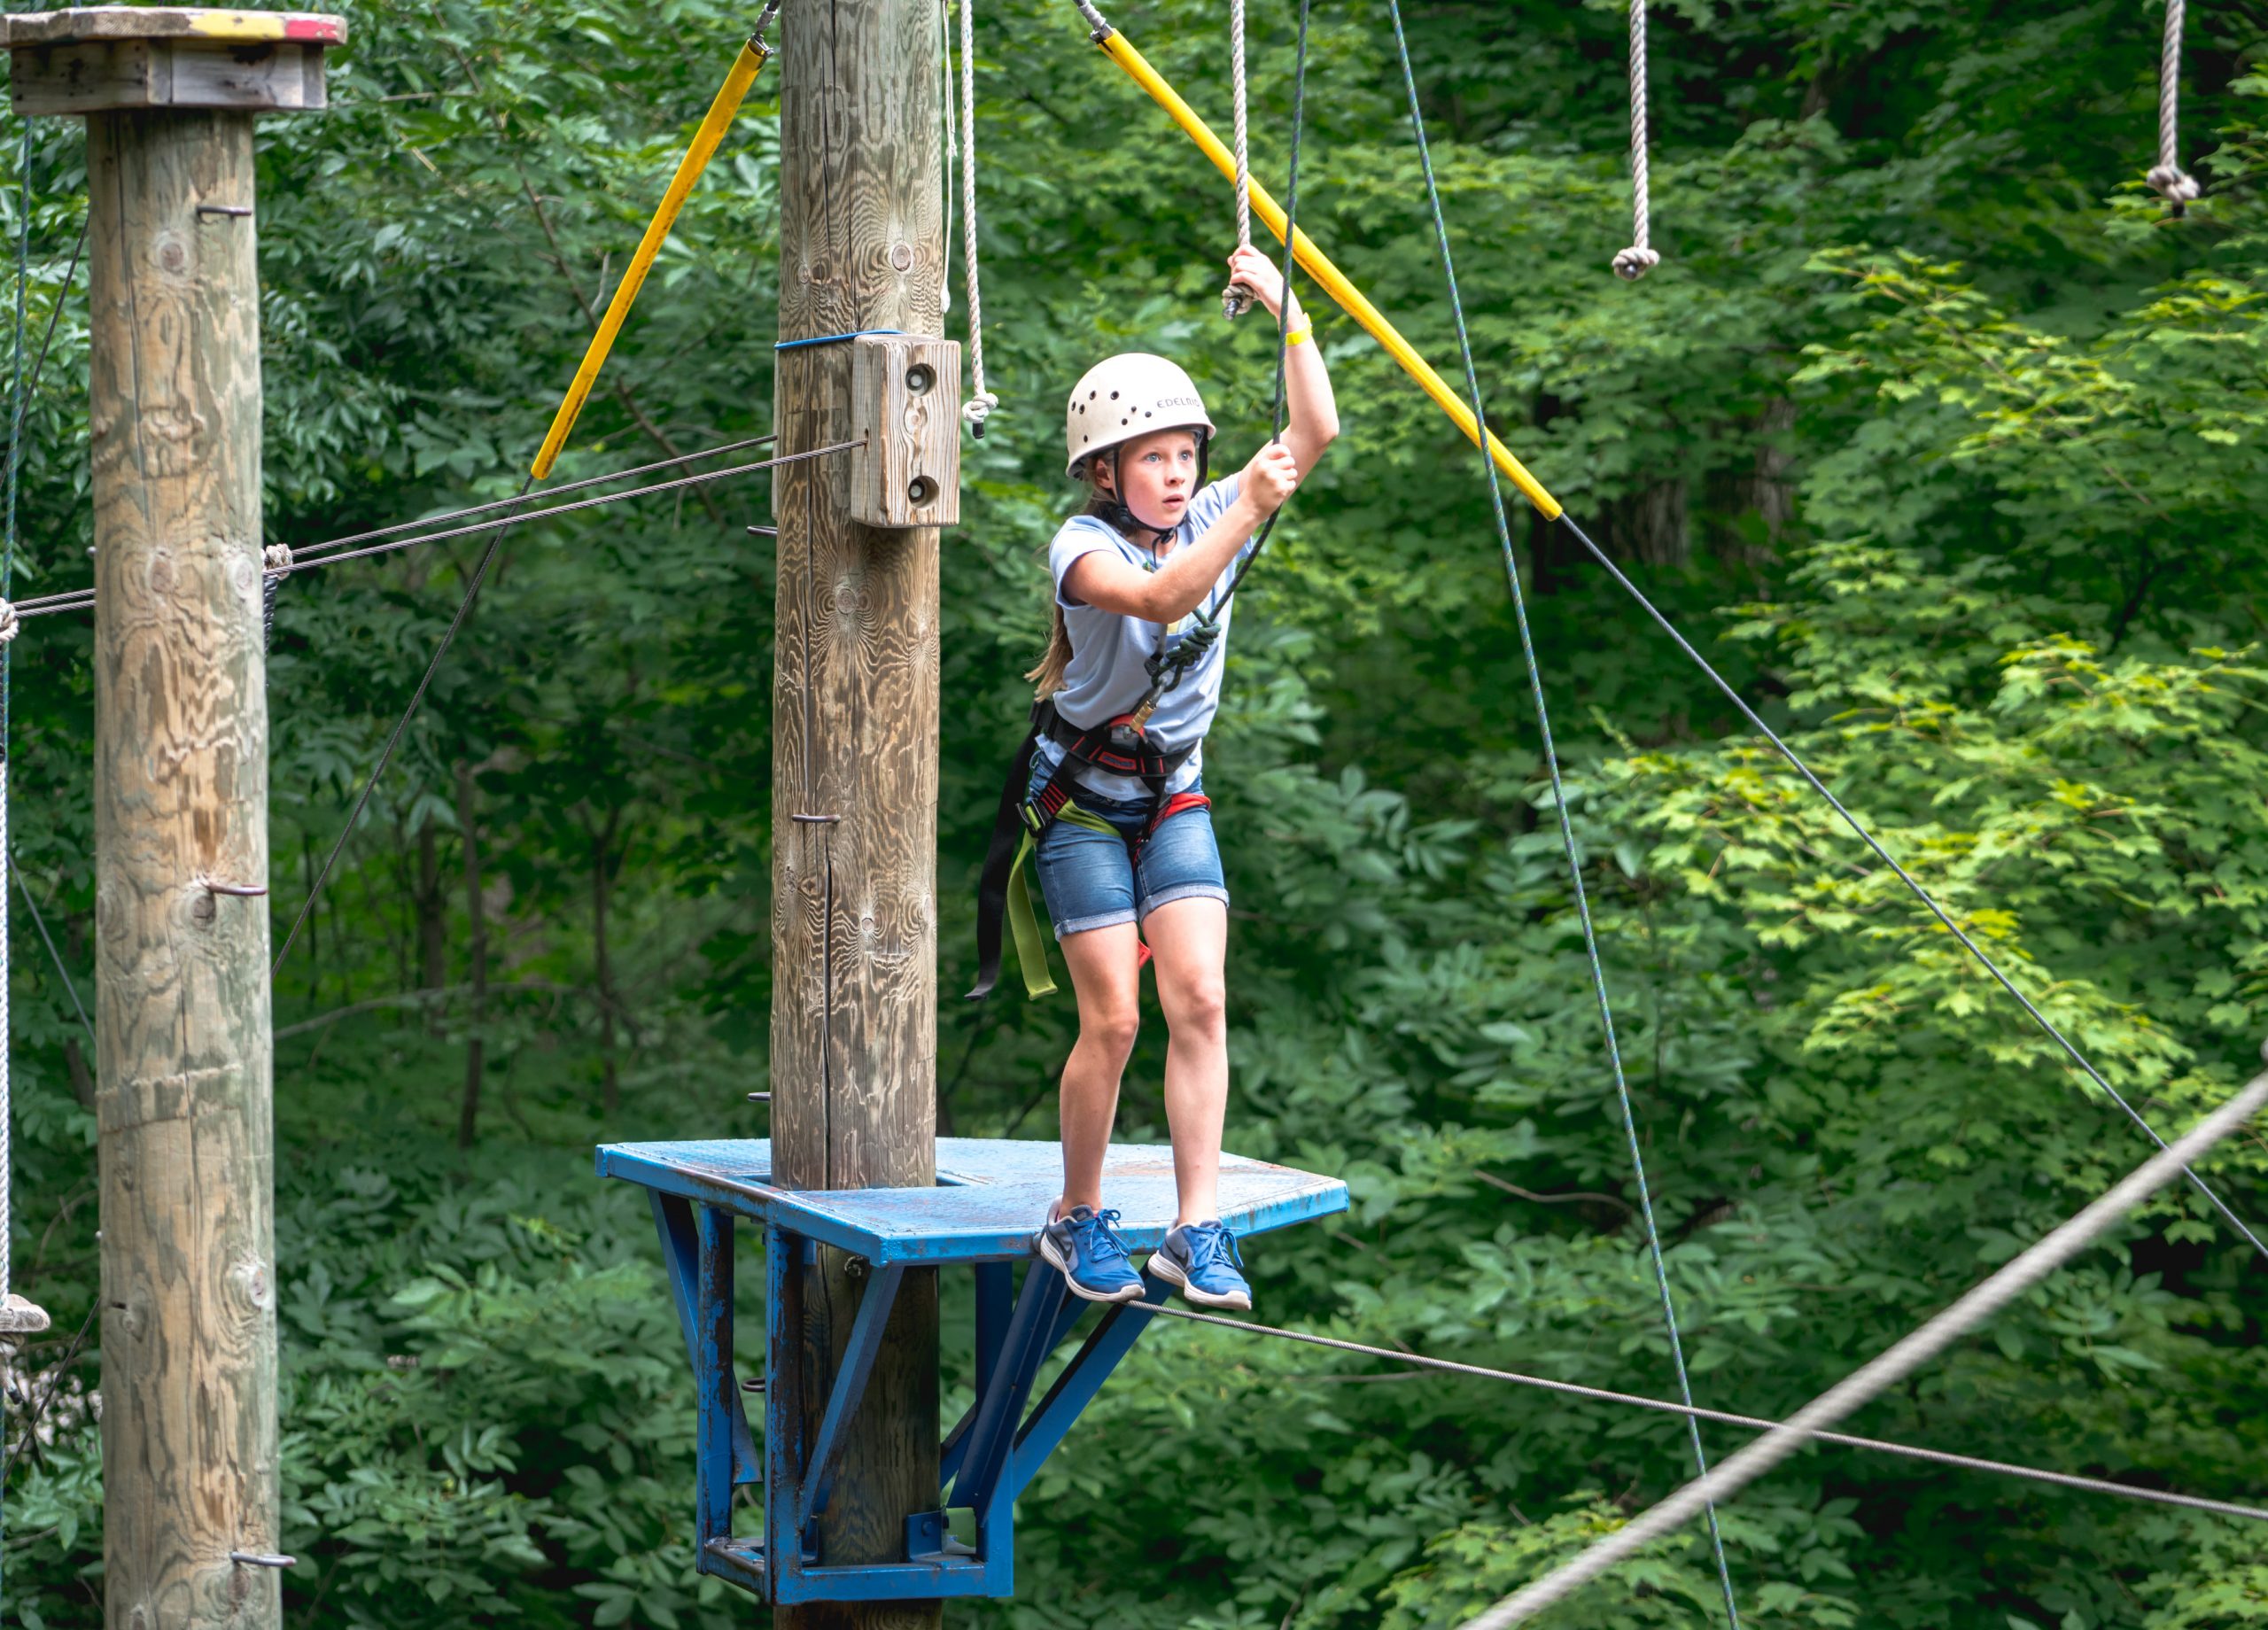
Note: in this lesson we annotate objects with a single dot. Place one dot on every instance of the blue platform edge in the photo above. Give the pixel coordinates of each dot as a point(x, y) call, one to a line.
point(992, 1194)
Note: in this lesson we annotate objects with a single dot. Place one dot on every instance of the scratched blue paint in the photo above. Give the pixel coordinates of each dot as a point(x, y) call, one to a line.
point(991, 1195)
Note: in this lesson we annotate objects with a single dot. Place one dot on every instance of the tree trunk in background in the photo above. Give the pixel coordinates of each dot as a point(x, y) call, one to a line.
point(477, 910)
point(432, 925)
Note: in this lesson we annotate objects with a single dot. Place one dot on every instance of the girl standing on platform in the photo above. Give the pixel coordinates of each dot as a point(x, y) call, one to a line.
point(1108, 793)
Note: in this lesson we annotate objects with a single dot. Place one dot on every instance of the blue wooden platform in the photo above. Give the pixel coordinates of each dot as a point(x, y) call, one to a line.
point(991, 1195)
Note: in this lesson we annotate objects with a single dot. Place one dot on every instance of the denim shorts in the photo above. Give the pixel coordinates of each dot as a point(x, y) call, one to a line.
point(1088, 880)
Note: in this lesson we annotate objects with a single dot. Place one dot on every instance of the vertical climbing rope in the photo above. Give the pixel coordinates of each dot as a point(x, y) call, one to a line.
point(1635, 263)
point(2169, 177)
point(1559, 806)
point(981, 401)
point(1235, 300)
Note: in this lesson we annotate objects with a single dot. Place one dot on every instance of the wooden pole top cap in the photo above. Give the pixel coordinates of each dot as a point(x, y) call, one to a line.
point(90, 24)
point(118, 58)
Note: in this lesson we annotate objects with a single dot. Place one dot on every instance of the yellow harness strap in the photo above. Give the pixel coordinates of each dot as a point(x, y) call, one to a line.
point(1023, 922)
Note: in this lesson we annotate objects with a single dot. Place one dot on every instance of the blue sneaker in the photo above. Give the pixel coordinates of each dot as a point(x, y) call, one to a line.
point(1201, 1259)
point(1088, 1253)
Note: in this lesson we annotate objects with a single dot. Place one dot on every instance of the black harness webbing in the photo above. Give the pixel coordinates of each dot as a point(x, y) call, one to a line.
point(1119, 747)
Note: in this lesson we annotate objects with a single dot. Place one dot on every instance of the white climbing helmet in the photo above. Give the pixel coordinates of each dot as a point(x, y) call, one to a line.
point(1126, 396)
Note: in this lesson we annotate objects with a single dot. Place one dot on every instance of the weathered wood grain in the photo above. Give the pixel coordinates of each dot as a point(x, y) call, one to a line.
point(101, 75)
point(854, 905)
point(183, 1102)
point(905, 403)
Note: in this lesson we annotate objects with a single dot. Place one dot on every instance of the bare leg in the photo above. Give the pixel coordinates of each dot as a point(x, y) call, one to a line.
point(1189, 940)
point(1107, 976)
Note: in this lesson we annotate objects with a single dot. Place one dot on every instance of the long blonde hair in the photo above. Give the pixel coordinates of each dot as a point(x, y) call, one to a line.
point(1047, 677)
point(1102, 503)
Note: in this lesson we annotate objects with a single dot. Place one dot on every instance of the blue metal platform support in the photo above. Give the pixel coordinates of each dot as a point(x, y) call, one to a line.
point(990, 1196)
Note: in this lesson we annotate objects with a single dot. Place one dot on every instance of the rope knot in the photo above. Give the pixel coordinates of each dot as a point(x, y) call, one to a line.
point(11, 624)
point(276, 559)
point(978, 409)
point(2175, 183)
point(1635, 263)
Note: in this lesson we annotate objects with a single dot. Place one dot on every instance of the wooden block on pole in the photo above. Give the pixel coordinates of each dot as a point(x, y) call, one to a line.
point(184, 1103)
point(906, 397)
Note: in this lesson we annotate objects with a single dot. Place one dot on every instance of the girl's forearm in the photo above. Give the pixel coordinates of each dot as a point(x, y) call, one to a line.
point(1180, 586)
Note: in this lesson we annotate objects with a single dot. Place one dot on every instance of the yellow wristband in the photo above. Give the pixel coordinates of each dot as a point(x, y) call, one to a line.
point(1300, 335)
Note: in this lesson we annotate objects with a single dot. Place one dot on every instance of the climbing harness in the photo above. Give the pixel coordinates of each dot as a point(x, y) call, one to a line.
point(1635, 263)
point(753, 55)
point(1559, 806)
point(2178, 188)
point(1235, 300)
point(981, 401)
point(1118, 747)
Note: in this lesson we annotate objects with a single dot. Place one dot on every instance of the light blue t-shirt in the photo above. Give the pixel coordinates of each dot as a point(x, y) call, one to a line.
point(1109, 653)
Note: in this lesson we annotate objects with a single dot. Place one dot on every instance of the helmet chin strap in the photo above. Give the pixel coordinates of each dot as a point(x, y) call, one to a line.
point(1122, 516)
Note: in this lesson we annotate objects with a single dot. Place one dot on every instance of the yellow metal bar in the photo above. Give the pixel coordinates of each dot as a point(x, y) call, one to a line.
point(750, 63)
point(1332, 281)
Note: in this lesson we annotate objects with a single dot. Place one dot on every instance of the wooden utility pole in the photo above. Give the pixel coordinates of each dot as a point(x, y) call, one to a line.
point(854, 741)
point(183, 1070)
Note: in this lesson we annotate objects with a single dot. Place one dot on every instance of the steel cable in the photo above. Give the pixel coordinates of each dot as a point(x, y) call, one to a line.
point(1559, 804)
point(1870, 1380)
point(1753, 1423)
point(79, 600)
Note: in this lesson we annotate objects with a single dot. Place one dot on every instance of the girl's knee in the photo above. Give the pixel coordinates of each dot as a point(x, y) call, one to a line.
point(1198, 1008)
point(1112, 1029)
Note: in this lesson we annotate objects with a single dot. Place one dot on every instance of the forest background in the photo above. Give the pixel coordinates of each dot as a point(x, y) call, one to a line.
point(1932, 428)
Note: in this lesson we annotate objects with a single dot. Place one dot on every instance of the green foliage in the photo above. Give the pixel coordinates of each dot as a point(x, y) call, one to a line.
point(1939, 440)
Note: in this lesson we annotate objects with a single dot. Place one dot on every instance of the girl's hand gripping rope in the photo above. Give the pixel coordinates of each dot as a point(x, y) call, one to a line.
point(1271, 477)
point(1254, 271)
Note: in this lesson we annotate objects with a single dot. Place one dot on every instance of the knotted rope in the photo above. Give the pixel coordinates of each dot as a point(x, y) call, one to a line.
point(1235, 300)
point(2169, 177)
point(1635, 263)
point(981, 401)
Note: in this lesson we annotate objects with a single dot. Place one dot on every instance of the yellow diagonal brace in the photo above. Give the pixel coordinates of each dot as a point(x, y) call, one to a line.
point(1332, 281)
point(746, 66)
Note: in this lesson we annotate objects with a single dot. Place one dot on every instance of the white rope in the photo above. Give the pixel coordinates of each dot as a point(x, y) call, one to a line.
point(1635, 263)
point(2169, 177)
point(952, 144)
point(981, 401)
point(1870, 1380)
point(1235, 300)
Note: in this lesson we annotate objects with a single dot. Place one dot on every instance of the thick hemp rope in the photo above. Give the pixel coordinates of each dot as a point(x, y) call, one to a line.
point(1635, 263)
point(1235, 300)
point(1871, 1379)
point(2169, 177)
point(981, 401)
point(1559, 806)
